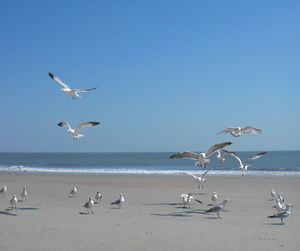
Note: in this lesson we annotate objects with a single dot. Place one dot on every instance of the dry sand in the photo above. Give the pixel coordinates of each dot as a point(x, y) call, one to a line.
point(152, 218)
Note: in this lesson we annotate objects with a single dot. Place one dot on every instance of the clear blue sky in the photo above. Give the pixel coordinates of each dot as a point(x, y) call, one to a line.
point(170, 74)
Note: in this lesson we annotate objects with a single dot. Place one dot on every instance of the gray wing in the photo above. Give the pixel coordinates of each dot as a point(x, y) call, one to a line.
point(86, 124)
point(204, 173)
point(249, 129)
point(214, 209)
point(257, 156)
point(57, 80)
point(65, 124)
point(116, 202)
point(85, 90)
point(216, 147)
point(227, 130)
point(189, 155)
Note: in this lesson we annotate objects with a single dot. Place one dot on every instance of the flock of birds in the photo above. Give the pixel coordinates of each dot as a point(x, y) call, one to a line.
point(202, 160)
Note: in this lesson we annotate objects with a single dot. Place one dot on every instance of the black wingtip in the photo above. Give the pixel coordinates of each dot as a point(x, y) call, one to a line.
point(50, 75)
point(60, 124)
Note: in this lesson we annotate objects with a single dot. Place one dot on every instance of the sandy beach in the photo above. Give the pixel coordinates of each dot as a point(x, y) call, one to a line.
point(152, 218)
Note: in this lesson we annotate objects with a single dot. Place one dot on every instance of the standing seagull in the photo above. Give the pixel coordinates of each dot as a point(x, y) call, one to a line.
point(202, 158)
point(214, 197)
point(13, 202)
point(73, 192)
point(244, 166)
point(89, 205)
point(74, 132)
point(273, 194)
point(24, 194)
point(3, 191)
point(218, 208)
point(187, 198)
point(119, 201)
point(200, 180)
point(67, 89)
point(283, 214)
point(98, 197)
point(238, 131)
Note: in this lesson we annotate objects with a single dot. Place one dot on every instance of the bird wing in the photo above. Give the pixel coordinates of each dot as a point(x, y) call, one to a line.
point(57, 80)
point(116, 202)
point(257, 156)
point(204, 173)
point(215, 209)
point(226, 130)
point(65, 124)
point(233, 154)
point(86, 124)
point(189, 155)
point(249, 129)
point(195, 177)
point(216, 147)
point(85, 90)
point(199, 201)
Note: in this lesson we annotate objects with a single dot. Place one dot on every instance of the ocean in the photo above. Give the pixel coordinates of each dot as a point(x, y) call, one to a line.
point(273, 163)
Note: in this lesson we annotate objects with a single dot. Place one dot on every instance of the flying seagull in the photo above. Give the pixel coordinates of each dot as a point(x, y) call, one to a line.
point(119, 201)
point(199, 179)
point(202, 158)
point(220, 156)
point(67, 89)
point(238, 131)
point(283, 214)
point(218, 208)
point(74, 132)
point(244, 166)
point(89, 205)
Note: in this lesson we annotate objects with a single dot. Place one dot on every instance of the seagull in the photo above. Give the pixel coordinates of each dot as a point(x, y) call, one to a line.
point(214, 197)
point(187, 198)
point(24, 194)
point(73, 192)
point(67, 89)
point(244, 166)
point(220, 156)
point(280, 197)
point(89, 205)
point(119, 201)
point(98, 197)
point(238, 131)
point(283, 214)
point(3, 191)
point(202, 158)
point(218, 208)
point(279, 205)
point(13, 202)
point(199, 179)
point(74, 132)
point(273, 194)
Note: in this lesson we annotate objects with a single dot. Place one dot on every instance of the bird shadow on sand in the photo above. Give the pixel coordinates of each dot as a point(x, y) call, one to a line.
point(212, 218)
point(84, 213)
point(162, 204)
point(173, 215)
point(273, 224)
point(7, 213)
point(28, 208)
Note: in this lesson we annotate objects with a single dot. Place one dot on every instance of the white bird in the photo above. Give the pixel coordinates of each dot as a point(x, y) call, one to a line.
point(67, 89)
point(24, 194)
point(218, 208)
point(280, 197)
point(214, 197)
point(202, 158)
point(13, 202)
point(220, 156)
point(244, 166)
point(98, 197)
point(74, 132)
point(3, 191)
point(238, 131)
point(187, 198)
point(283, 214)
point(279, 205)
point(119, 201)
point(199, 179)
point(89, 205)
point(73, 192)
point(273, 194)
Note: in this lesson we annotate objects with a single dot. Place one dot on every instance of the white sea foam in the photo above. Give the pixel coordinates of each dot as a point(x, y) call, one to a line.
point(18, 169)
